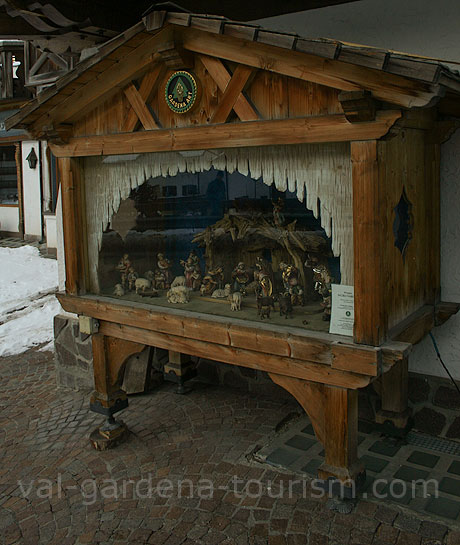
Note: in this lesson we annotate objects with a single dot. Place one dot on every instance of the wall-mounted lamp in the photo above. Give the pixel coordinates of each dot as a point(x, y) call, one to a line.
point(32, 159)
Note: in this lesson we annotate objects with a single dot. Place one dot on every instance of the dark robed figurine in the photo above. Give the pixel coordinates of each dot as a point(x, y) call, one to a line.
point(216, 193)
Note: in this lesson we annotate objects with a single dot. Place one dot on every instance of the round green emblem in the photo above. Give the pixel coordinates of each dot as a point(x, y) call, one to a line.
point(181, 92)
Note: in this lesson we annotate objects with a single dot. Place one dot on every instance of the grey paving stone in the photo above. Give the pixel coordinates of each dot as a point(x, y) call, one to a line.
point(423, 459)
point(385, 447)
point(454, 468)
point(450, 486)
point(309, 430)
point(312, 467)
point(443, 507)
point(372, 463)
point(301, 443)
point(282, 457)
point(407, 473)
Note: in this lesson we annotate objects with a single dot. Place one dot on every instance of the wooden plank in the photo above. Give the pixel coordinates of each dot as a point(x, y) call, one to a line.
point(236, 356)
point(306, 346)
point(270, 95)
point(332, 128)
point(146, 91)
point(208, 24)
point(261, 341)
point(140, 107)
point(232, 92)
point(364, 57)
point(312, 350)
point(412, 68)
point(370, 324)
point(220, 75)
point(332, 73)
point(443, 311)
point(414, 327)
point(328, 50)
point(365, 362)
point(240, 30)
point(286, 41)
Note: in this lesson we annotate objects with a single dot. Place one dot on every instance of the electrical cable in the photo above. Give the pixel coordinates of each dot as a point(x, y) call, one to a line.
point(442, 363)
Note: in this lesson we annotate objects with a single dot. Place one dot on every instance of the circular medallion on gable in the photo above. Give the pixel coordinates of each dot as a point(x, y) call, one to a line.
point(181, 91)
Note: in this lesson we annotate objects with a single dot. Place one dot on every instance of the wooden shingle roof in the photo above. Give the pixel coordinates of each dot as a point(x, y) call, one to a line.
point(420, 76)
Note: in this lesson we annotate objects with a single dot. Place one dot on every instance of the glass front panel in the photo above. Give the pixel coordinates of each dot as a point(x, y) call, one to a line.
point(220, 244)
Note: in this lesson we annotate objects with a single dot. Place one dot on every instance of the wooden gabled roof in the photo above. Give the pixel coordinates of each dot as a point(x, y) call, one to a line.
point(403, 80)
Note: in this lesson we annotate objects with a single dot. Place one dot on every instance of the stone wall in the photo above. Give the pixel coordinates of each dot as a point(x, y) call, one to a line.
point(74, 354)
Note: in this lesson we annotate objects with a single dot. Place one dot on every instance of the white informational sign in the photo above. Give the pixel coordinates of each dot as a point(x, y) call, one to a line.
point(343, 310)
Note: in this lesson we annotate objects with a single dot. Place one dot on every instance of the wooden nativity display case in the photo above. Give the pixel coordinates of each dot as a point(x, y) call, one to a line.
point(200, 156)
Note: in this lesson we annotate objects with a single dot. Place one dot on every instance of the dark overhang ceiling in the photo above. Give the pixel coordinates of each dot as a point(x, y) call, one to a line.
point(31, 18)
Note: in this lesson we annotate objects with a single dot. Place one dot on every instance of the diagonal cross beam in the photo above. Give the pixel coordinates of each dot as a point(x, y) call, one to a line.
point(139, 99)
point(232, 87)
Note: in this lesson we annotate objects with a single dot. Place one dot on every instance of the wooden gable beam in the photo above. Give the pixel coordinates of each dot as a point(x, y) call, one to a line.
point(340, 75)
point(232, 92)
point(140, 107)
point(220, 75)
point(105, 84)
point(146, 92)
point(328, 128)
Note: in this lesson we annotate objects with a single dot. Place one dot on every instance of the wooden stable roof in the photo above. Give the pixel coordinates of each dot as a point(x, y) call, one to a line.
point(398, 79)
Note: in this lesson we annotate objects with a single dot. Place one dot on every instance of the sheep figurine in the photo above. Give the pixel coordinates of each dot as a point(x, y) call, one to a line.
point(178, 281)
point(235, 300)
point(142, 284)
point(178, 294)
point(221, 294)
point(118, 290)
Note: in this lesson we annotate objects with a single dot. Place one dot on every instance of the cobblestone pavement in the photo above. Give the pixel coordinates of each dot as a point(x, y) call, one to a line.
point(180, 446)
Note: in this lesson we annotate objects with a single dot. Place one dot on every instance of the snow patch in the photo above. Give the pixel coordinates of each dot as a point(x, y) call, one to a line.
point(26, 312)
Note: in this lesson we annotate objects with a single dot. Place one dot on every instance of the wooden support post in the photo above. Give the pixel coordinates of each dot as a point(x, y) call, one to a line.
point(109, 357)
point(393, 390)
point(74, 224)
point(334, 415)
point(368, 232)
point(179, 369)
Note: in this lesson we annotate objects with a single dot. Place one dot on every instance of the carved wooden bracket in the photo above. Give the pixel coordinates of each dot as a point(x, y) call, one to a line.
point(358, 106)
point(58, 135)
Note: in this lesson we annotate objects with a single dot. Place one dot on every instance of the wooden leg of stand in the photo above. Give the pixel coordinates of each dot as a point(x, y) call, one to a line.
point(334, 415)
point(109, 356)
point(179, 369)
point(393, 392)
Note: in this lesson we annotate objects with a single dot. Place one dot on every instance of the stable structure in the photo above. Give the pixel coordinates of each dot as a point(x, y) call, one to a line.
point(349, 133)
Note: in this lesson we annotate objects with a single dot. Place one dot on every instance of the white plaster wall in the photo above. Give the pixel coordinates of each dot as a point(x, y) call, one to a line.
point(9, 219)
point(31, 192)
point(423, 359)
point(425, 28)
point(51, 231)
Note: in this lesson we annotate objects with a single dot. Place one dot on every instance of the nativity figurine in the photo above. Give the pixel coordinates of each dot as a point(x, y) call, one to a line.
point(290, 278)
point(240, 277)
point(123, 266)
point(163, 274)
point(192, 271)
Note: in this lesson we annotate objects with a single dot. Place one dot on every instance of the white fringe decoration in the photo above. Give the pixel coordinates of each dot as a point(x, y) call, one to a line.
point(321, 171)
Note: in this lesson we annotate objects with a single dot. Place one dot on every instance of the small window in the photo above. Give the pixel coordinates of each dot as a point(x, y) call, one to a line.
point(8, 176)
